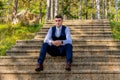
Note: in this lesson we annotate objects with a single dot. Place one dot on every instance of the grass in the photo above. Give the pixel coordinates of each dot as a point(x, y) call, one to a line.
point(115, 27)
point(10, 33)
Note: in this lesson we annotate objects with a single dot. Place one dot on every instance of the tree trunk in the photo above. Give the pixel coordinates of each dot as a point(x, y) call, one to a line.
point(52, 9)
point(80, 15)
point(106, 10)
point(86, 15)
point(92, 9)
point(56, 7)
point(40, 10)
point(48, 11)
point(98, 8)
point(116, 8)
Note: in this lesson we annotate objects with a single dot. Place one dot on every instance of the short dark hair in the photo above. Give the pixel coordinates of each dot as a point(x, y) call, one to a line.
point(59, 16)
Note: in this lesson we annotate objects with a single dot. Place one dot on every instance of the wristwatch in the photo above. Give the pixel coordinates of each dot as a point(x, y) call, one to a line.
point(62, 42)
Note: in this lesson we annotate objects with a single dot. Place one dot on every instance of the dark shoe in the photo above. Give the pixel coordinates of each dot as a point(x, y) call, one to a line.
point(39, 67)
point(68, 67)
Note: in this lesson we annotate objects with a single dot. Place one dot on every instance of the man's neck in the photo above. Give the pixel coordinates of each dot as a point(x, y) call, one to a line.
point(58, 26)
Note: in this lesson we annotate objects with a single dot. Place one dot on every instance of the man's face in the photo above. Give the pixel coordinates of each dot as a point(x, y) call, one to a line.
point(58, 22)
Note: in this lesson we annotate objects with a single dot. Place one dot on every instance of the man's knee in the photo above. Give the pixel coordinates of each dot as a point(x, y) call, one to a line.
point(44, 46)
point(68, 45)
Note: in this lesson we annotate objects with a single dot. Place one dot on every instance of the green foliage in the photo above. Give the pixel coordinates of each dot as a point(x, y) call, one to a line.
point(10, 33)
point(115, 27)
point(1, 5)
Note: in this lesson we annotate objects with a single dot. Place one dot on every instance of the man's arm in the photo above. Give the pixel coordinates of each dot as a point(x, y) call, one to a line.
point(48, 38)
point(68, 37)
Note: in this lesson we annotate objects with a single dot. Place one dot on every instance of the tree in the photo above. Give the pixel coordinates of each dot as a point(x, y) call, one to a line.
point(40, 10)
point(80, 9)
point(56, 7)
point(117, 4)
point(98, 9)
point(52, 9)
point(48, 10)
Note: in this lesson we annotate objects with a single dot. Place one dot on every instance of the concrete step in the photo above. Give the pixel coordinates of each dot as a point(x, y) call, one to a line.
point(84, 37)
point(83, 28)
point(74, 42)
point(75, 46)
point(78, 58)
point(87, 29)
point(88, 41)
point(79, 24)
point(61, 66)
point(61, 75)
point(79, 35)
point(42, 34)
point(82, 22)
point(46, 26)
point(75, 52)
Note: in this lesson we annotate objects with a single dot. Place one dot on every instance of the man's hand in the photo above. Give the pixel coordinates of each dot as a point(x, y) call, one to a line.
point(56, 43)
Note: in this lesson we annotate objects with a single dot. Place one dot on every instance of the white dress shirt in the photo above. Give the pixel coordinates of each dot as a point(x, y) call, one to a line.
point(48, 37)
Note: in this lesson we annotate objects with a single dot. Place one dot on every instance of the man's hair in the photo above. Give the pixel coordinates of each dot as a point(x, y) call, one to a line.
point(59, 16)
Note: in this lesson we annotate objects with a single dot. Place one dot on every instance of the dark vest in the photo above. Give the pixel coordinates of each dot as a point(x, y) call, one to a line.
point(62, 35)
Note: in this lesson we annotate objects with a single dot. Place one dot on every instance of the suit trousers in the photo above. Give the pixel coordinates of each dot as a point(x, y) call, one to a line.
point(64, 50)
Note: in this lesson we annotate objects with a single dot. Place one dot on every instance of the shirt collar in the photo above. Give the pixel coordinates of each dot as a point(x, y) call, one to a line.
point(59, 28)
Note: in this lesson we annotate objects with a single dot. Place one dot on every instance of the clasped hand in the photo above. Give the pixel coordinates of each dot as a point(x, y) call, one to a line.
point(56, 43)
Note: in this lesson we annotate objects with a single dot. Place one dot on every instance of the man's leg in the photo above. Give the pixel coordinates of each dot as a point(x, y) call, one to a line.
point(43, 52)
point(42, 57)
point(68, 50)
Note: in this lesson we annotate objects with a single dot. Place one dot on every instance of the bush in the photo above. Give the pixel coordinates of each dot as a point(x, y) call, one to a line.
point(115, 27)
point(10, 33)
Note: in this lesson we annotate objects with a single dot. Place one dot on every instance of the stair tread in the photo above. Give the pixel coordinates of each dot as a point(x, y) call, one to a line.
point(83, 56)
point(74, 45)
point(37, 50)
point(63, 63)
point(61, 72)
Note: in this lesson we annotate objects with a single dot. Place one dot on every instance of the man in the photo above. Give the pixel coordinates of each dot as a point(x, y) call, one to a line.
point(58, 42)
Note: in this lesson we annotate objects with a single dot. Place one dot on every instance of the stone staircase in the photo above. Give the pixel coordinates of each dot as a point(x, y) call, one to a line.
point(96, 55)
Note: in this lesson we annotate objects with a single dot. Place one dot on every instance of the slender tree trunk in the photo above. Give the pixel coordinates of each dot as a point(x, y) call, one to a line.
point(80, 15)
point(48, 11)
point(98, 8)
point(40, 10)
point(86, 12)
point(116, 8)
point(109, 7)
point(103, 9)
point(52, 9)
point(92, 9)
point(56, 7)
point(106, 10)
point(62, 7)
